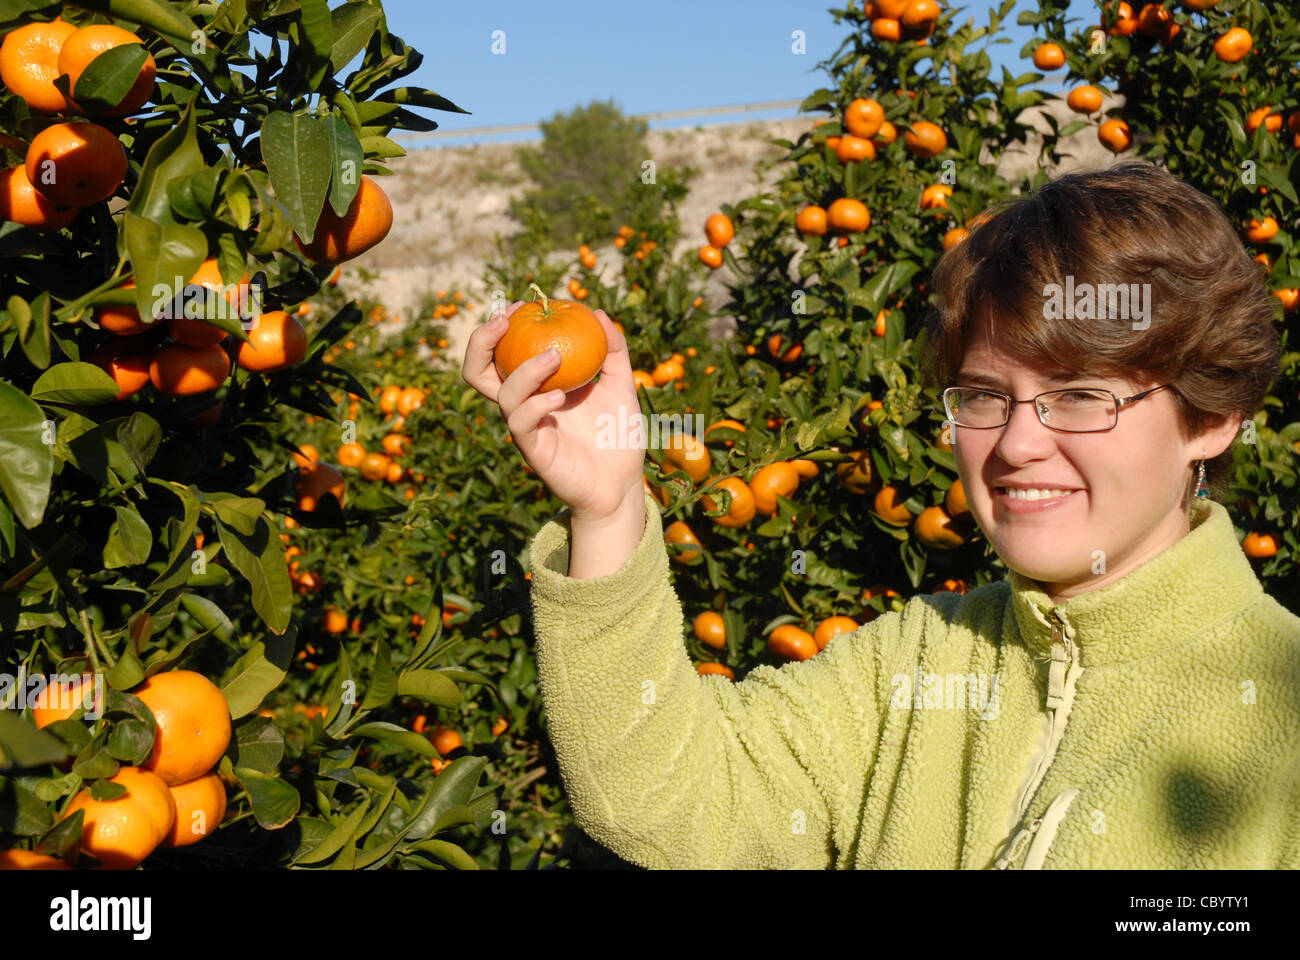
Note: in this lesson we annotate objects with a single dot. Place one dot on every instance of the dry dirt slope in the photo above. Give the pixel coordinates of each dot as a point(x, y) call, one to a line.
point(451, 202)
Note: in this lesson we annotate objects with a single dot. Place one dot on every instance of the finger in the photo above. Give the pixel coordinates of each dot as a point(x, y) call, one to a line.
point(618, 362)
point(524, 419)
point(526, 380)
point(477, 369)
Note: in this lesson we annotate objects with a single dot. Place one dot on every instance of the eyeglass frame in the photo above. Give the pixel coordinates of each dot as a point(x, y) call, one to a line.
point(1120, 404)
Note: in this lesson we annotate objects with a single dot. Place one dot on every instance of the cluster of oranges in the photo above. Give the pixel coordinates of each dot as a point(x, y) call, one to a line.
point(68, 164)
point(670, 371)
point(718, 230)
point(398, 403)
point(895, 20)
point(195, 360)
point(625, 236)
point(449, 306)
point(173, 798)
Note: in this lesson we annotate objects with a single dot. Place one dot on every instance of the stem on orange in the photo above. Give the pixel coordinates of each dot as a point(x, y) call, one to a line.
point(546, 304)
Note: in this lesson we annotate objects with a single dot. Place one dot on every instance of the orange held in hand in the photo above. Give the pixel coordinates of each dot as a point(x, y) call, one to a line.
point(368, 219)
point(568, 327)
point(193, 724)
point(76, 164)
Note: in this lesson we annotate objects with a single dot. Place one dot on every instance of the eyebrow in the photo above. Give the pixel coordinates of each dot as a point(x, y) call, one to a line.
point(984, 379)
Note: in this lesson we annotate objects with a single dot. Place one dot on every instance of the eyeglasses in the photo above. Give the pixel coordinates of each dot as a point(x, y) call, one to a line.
point(1070, 411)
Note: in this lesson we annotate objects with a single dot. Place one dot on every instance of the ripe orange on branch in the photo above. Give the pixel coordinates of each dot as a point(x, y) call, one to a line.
point(182, 371)
point(925, 139)
point(193, 724)
point(711, 629)
point(277, 342)
point(847, 215)
point(792, 643)
point(368, 219)
point(22, 203)
point(568, 327)
point(29, 63)
point(864, 117)
point(1084, 99)
point(742, 503)
point(678, 532)
point(1115, 136)
point(199, 806)
point(833, 627)
point(130, 372)
point(1233, 45)
point(719, 230)
point(89, 42)
point(122, 831)
point(771, 481)
point(75, 164)
point(315, 481)
point(811, 221)
point(934, 529)
point(1049, 56)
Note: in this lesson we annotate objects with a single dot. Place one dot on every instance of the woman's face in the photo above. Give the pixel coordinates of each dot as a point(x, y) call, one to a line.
point(1128, 483)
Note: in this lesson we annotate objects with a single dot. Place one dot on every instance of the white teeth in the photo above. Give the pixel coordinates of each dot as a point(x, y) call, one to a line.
point(1036, 493)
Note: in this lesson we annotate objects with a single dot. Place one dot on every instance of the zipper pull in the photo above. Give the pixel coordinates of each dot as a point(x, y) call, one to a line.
point(1013, 851)
point(1062, 657)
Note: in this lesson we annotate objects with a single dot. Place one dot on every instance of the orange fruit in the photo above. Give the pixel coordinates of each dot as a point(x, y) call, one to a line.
point(935, 195)
point(684, 452)
point(792, 643)
point(374, 466)
point(722, 670)
point(1261, 231)
point(1200, 4)
point(182, 371)
point(833, 627)
point(388, 399)
point(445, 740)
point(955, 501)
point(123, 831)
point(934, 530)
point(811, 221)
point(855, 475)
point(500, 726)
point(29, 63)
point(131, 372)
point(925, 139)
point(306, 454)
point(742, 503)
point(1271, 121)
point(710, 256)
point(395, 473)
point(890, 9)
point(853, 149)
point(21, 203)
point(887, 134)
point(27, 860)
point(832, 143)
point(771, 481)
point(889, 508)
point(847, 215)
point(198, 333)
point(368, 219)
point(919, 13)
point(568, 327)
point(193, 724)
point(805, 468)
point(864, 117)
point(411, 399)
point(678, 532)
point(728, 424)
point(667, 372)
point(1233, 45)
point(86, 44)
point(1115, 136)
point(642, 379)
point(396, 445)
point(1049, 56)
point(1125, 24)
point(76, 164)
point(1084, 99)
point(59, 702)
point(335, 621)
point(954, 236)
point(1259, 545)
point(887, 28)
point(774, 349)
point(199, 805)
point(719, 230)
point(351, 454)
point(710, 629)
point(316, 480)
point(276, 342)
point(1290, 297)
point(1153, 20)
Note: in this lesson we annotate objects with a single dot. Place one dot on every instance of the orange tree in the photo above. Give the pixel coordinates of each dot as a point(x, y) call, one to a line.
point(143, 475)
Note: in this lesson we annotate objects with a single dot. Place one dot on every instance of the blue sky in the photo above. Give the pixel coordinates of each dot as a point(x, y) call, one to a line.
point(647, 57)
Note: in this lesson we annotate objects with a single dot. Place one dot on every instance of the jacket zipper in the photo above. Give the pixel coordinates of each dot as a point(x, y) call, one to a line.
point(1062, 653)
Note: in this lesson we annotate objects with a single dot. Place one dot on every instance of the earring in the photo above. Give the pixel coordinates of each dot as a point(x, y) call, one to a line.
point(1202, 488)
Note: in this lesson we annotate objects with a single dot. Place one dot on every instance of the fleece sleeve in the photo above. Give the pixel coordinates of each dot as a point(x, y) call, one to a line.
point(669, 769)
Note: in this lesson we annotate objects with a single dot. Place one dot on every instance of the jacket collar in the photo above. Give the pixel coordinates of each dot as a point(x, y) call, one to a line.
point(1195, 583)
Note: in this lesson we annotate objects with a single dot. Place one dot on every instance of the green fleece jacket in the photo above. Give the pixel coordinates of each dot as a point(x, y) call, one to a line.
point(1151, 723)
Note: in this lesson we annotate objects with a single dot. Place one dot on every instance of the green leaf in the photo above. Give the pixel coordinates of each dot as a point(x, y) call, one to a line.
point(275, 803)
point(26, 460)
point(130, 742)
point(129, 540)
point(384, 682)
point(174, 156)
point(165, 256)
point(430, 686)
point(298, 158)
point(341, 834)
point(22, 812)
point(33, 323)
point(127, 672)
point(22, 745)
point(257, 673)
point(140, 436)
point(354, 23)
point(109, 77)
point(448, 853)
point(94, 760)
point(260, 559)
point(392, 733)
point(257, 745)
point(75, 382)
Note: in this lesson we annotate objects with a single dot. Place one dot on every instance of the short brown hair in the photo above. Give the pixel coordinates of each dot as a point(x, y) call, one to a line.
point(1212, 335)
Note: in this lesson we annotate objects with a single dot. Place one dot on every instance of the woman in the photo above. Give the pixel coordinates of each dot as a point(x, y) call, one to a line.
point(1126, 697)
